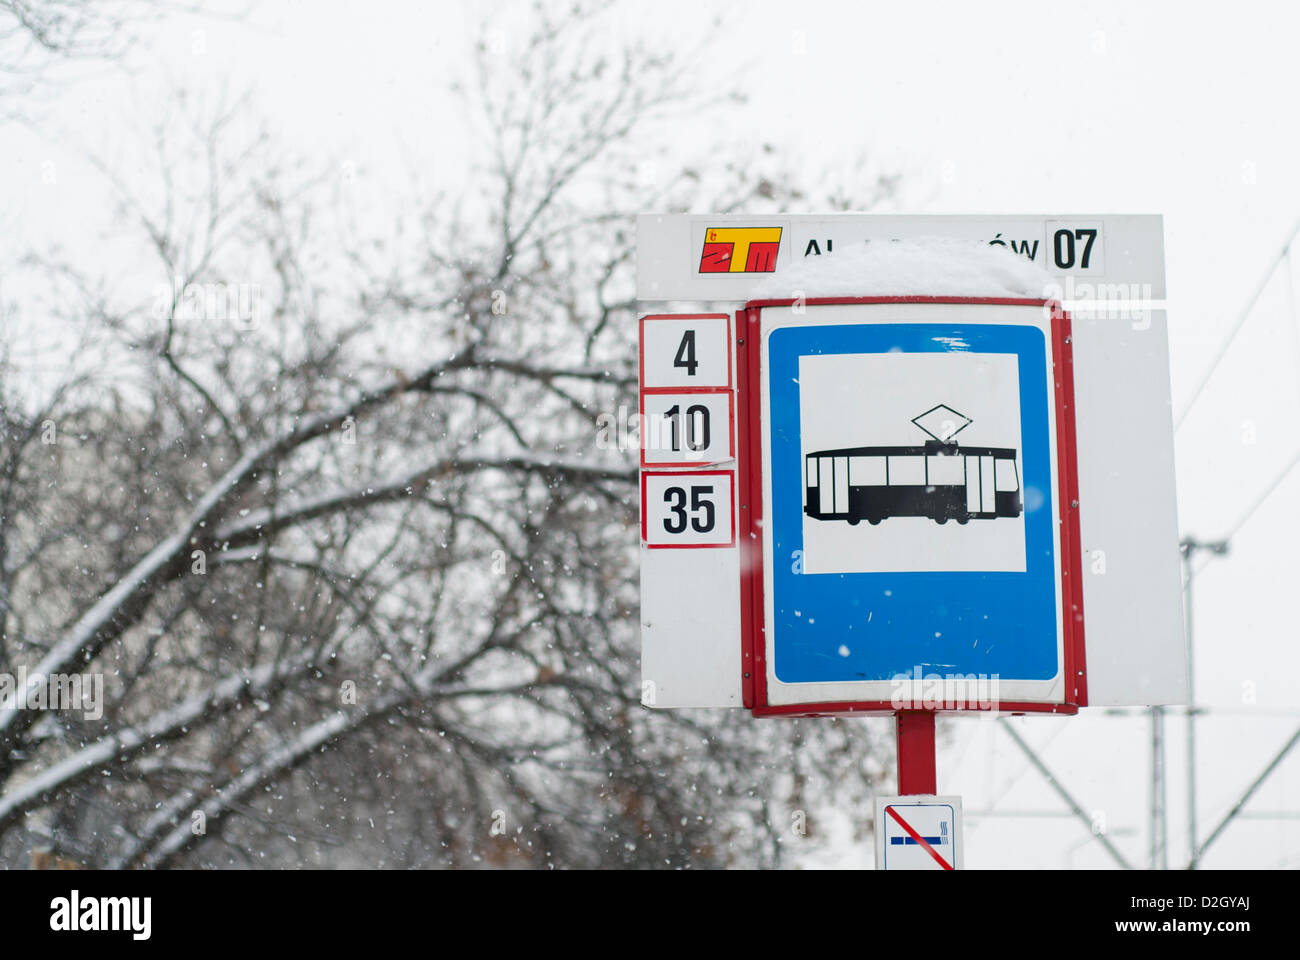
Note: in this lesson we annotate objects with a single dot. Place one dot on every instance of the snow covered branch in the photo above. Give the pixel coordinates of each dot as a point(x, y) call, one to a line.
point(166, 724)
point(127, 600)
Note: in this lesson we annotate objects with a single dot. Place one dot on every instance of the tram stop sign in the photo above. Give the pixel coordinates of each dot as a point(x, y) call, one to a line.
point(866, 504)
point(914, 465)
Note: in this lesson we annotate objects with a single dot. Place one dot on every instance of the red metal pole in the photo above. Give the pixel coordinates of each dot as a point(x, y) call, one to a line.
point(916, 752)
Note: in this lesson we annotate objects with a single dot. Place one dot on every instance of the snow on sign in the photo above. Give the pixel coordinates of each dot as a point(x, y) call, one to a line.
point(918, 833)
point(914, 465)
point(723, 257)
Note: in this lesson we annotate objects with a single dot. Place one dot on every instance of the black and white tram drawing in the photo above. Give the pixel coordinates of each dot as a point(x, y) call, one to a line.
point(939, 479)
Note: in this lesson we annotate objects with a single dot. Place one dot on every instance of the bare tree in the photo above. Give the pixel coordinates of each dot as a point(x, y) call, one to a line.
point(38, 37)
point(327, 510)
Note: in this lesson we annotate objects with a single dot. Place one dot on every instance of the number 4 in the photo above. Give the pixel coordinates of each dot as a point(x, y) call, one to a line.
point(686, 354)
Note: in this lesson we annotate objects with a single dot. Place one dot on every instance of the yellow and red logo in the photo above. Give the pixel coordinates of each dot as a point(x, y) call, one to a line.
point(740, 249)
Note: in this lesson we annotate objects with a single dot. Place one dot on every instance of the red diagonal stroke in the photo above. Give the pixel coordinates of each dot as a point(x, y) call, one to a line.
point(918, 838)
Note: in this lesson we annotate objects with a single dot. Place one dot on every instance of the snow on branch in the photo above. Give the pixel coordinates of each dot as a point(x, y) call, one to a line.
point(127, 600)
point(277, 761)
point(262, 522)
point(161, 726)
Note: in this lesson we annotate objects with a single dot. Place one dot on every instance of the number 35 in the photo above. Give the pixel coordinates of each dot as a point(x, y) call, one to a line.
point(701, 510)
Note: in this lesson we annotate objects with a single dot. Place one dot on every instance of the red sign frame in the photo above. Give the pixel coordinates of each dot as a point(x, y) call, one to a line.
point(687, 475)
point(749, 515)
point(640, 345)
point(690, 392)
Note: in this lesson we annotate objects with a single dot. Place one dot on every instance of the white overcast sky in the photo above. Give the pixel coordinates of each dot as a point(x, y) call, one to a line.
point(1181, 109)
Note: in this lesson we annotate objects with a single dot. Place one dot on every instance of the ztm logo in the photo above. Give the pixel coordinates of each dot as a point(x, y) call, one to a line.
point(740, 249)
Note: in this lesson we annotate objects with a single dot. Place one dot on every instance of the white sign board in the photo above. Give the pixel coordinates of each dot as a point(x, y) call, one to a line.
point(919, 833)
point(1109, 274)
point(690, 561)
point(722, 258)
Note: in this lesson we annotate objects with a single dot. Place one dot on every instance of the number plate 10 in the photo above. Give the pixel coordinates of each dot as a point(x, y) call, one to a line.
point(686, 429)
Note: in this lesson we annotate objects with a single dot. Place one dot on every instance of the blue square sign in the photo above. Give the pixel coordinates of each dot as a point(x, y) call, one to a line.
point(911, 499)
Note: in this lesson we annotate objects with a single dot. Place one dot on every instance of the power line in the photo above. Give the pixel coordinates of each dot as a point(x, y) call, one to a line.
point(1245, 797)
point(1257, 503)
point(1236, 328)
point(1267, 492)
point(1064, 794)
point(1283, 257)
